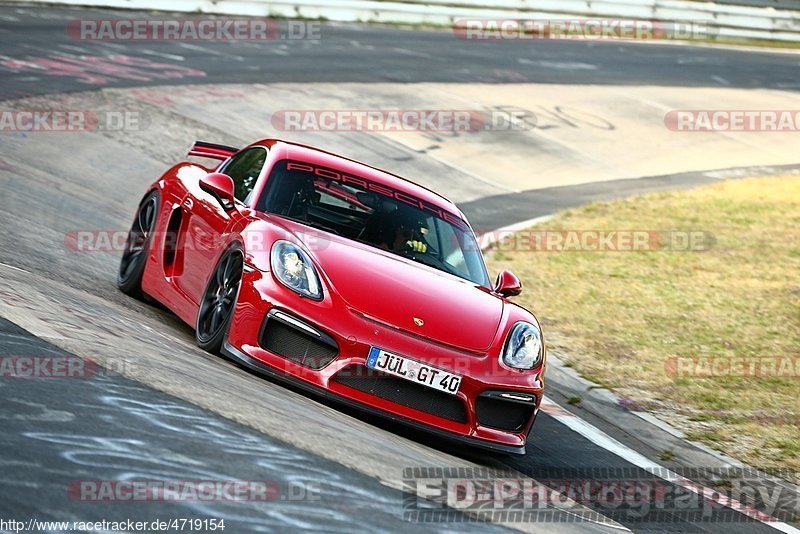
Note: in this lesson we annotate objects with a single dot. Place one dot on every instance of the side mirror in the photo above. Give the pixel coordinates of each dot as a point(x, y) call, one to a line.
point(220, 186)
point(507, 284)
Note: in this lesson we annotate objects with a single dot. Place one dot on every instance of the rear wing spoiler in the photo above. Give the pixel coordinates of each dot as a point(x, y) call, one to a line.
point(210, 150)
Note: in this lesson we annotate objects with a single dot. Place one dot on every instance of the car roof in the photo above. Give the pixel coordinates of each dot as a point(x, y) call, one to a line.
point(308, 154)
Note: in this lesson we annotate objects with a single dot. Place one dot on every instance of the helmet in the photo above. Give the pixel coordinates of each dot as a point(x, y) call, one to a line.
point(409, 221)
point(400, 218)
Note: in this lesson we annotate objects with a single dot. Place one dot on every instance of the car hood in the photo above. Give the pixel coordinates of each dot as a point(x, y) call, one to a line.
point(396, 291)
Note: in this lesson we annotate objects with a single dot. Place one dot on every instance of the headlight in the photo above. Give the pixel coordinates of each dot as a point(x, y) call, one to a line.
point(293, 268)
point(523, 348)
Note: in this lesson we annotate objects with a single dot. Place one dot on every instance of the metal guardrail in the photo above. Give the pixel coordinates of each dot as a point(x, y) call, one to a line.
point(774, 4)
point(774, 20)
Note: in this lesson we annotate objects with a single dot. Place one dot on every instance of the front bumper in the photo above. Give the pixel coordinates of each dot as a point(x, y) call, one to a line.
point(345, 378)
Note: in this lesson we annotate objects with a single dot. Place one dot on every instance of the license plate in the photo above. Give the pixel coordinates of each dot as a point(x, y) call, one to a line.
point(414, 371)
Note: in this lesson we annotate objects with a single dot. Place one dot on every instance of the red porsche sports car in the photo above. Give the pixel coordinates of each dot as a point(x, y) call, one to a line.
point(344, 279)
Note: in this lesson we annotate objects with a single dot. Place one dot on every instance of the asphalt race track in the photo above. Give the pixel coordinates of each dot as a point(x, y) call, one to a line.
point(354, 53)
point(87, 425)
point(167, 409)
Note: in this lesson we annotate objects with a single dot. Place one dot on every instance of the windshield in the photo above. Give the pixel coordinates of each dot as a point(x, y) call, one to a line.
point(374, 214)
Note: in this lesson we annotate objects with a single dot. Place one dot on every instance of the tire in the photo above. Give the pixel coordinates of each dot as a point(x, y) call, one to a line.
point(219, 301)
point(137, 246)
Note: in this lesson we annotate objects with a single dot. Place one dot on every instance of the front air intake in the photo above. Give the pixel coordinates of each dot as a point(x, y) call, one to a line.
point(504, 410)
point(403, 392)
point(297, 342)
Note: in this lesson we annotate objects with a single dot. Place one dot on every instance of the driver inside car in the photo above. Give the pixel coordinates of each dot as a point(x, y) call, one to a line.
point(404, 231)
